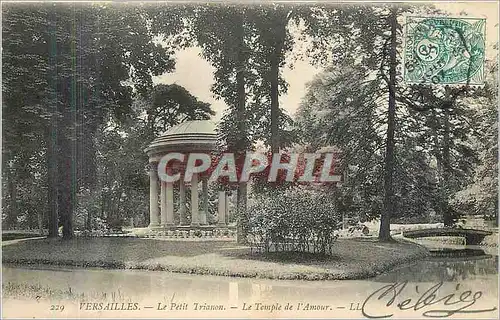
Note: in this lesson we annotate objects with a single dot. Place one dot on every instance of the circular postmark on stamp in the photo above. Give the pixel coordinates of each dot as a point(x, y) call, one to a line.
point(443, 50)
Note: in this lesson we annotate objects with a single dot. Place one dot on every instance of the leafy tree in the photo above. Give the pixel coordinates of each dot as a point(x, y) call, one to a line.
point(344, 107)
point(172, 104)
point(481, 194)
point(340, 109)
point(223, 34)
point(69, 66)
point(122, 180)
point(273, 41)
point(370, 38)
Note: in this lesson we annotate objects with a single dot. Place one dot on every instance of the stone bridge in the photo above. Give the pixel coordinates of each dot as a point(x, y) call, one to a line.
point(472, 236)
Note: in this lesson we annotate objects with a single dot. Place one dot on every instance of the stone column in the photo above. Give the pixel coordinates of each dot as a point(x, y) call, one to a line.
point(226, 208)
point(163, 203)
point(204, 201)
point(170, 203)
point(167, 203)
point(195, 214)
point(153, 195)
point(182, 202)
point(221, 209)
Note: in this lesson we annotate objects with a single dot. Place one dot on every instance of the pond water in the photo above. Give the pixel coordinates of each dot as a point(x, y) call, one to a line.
point(465, 280)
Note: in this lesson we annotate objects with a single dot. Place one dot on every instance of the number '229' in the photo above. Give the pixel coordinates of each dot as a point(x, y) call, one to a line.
point(57, 307)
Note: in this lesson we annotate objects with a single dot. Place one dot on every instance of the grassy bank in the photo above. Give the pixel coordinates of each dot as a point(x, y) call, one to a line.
point(8, 236)
point(352, 258)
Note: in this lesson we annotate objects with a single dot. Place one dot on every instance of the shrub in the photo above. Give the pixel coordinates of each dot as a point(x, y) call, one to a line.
point(296, 220)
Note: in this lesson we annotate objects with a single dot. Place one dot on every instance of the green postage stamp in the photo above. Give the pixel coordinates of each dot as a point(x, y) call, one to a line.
point(444, 50)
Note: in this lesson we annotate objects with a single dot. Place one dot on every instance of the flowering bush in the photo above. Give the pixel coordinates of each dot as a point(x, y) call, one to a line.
point(296, 220)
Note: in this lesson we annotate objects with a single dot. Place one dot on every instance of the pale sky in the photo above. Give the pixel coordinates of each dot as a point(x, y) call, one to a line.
point(196, 75)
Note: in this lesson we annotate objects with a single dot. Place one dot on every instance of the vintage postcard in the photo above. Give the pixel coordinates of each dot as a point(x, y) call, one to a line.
point(253, 159)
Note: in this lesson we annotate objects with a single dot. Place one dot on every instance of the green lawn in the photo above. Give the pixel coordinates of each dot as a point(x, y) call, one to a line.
point(352, 259)
point(7, 236)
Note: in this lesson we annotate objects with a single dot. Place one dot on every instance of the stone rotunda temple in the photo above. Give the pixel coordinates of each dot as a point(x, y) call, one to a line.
point(192, 136)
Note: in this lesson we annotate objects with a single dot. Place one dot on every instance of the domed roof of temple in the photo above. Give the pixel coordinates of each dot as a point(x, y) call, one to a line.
point(189, 136)
point(192, 127)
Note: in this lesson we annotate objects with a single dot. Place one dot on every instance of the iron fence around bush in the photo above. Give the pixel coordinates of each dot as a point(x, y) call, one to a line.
point(323, 245)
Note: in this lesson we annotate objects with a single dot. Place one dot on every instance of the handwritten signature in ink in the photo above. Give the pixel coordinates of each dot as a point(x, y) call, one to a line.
point(444, 305)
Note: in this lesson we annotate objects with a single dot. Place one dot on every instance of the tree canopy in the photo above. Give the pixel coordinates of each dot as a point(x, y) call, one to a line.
point(80, 105)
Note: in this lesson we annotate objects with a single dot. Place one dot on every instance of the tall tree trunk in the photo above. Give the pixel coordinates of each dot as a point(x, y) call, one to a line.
point(241, 208)
point(385, 220)
point(68, 142)
point(448, 216)
point(67, 188)
point(52, 177)
point(52, 136)
point(274, 70)
point(88, 221)
point(438, 150)
point(13, 211)
point(40, 222)
point(276, 56)
point(242, 218)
